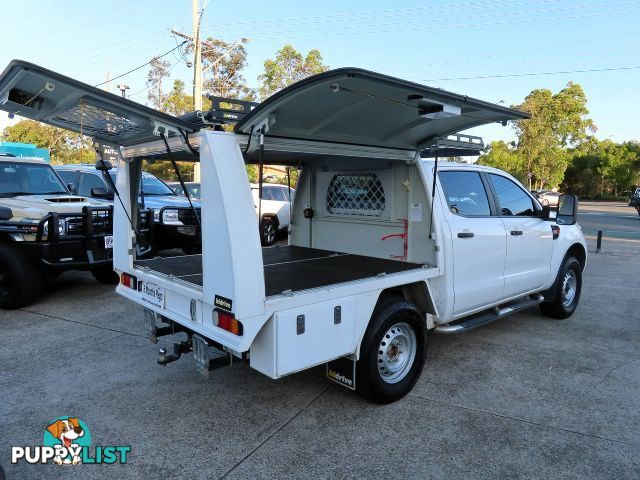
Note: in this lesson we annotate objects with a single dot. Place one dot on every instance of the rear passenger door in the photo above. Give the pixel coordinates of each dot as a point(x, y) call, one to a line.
point(529, 238)
point(478, 240)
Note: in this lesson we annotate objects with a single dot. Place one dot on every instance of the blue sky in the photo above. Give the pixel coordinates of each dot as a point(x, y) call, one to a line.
point(435, 42)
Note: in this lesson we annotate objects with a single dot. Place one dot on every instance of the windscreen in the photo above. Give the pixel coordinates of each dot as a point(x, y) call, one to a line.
point(151, 185)
point(17, 178)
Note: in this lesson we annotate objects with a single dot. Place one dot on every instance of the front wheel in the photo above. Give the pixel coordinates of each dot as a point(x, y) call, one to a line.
point(393, 352)
point(105, 274)
point(638, 209)
point(20, 279)
point(568, 289)
point(268, 232)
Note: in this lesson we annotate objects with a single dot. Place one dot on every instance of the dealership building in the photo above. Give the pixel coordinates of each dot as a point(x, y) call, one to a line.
point(25, 150)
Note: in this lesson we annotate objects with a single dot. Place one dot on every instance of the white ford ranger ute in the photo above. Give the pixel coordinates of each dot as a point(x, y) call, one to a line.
point(385, 247)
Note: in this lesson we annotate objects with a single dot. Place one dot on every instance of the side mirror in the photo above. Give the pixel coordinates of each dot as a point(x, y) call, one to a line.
point(567, 210)
point(99, 192)
point(71, 187)
point(103, 166)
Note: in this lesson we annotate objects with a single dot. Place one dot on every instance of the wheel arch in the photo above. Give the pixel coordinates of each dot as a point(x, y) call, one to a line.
point(271, 216)
point(417, 293)
point(576, 250)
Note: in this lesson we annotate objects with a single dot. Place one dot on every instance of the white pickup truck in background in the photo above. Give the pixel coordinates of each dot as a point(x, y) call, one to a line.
point(385, 246)
point(275, 209)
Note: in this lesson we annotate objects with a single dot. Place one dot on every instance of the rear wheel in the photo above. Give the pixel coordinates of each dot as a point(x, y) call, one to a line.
point(105, 274)
point(568, 289)
point(268, 232)
point(20, 279)
point(393, 352)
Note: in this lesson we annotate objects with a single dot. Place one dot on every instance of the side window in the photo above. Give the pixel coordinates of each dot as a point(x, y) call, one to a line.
point(89, 181)
point(512, 199)
point(68, 176)
point(356, 194)
point(465, 193)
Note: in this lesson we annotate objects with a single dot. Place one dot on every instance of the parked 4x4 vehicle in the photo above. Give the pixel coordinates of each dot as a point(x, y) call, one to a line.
point(175, 225)
point(44, 230)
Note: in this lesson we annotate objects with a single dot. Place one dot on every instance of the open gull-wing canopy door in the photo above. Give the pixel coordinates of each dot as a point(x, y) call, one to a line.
point(34, 92)
point(355, 106)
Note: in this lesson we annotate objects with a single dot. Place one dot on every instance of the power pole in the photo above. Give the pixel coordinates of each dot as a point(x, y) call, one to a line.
point(197, 49)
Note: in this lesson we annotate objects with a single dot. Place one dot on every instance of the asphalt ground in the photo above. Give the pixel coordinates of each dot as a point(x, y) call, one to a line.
point(524, 397)
point(615, 219)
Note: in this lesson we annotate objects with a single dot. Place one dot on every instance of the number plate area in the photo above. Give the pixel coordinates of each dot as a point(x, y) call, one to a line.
point(153, 294)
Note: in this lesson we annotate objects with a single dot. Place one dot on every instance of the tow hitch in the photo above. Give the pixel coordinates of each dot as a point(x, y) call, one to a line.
point(178, 350)
point(207, 356)
point(202, 354)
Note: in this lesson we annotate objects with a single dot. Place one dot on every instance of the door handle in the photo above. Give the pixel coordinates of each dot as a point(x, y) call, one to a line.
point(516, 232)
point(465, 235)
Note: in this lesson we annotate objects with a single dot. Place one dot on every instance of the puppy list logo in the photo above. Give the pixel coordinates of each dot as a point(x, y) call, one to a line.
point(67, 441)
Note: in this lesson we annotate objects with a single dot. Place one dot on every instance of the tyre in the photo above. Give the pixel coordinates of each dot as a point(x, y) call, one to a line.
point(20, 279)
point(192, 249)
point(393, 352)
point(105, 274)
point(268, 232)
point(568, 288)
point(638, 209)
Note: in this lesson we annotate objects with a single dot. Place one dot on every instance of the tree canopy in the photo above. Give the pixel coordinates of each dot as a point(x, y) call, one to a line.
point(289, 66)
point(541, 154)
point(64, 146)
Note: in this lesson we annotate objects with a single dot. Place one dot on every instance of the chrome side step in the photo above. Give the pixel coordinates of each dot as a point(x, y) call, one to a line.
point(489, 316)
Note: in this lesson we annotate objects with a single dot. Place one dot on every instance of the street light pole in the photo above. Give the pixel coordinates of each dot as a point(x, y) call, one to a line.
point(197, 60)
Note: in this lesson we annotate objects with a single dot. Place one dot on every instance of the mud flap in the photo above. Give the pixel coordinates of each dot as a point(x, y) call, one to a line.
point(343, 371)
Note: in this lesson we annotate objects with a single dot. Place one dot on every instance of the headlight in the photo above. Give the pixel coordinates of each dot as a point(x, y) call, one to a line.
point(62, 228)
point(156, 215)
point(170, 216)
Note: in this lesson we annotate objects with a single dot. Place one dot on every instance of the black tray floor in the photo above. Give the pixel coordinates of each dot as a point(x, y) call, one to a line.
point(290, 268)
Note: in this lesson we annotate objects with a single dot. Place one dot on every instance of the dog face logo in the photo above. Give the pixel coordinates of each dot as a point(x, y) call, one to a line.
point(66, 434)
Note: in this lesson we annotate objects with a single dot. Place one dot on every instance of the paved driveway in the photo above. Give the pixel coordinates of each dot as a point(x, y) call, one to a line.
point(524, 397)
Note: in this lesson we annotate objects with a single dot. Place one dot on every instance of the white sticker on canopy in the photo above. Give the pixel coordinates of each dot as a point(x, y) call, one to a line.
point(415, 215)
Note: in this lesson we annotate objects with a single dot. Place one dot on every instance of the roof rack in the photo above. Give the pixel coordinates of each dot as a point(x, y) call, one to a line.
point(458, 145)
point(224, 111)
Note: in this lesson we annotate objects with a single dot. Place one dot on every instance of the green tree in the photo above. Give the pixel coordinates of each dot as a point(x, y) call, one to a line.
point(289, 66)
point(157, 73)
point(64, 146)
point(557, 121)
point(222, 65)
point(505, 157)
point(177, 102)
point(604, 168)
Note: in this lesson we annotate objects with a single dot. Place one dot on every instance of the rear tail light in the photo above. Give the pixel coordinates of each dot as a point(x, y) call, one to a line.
point(226, 321)
point(129, 280)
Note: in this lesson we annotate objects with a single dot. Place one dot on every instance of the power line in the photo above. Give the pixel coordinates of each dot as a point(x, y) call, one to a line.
point(323, 21)
point(391, 12)
point(142, 66)
point(402, 27)
point(532, 74)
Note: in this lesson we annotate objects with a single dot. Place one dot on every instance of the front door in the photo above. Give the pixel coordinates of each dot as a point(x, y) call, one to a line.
point(529, 238)
point(479, 241)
